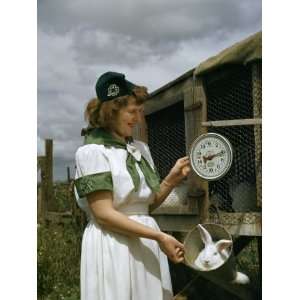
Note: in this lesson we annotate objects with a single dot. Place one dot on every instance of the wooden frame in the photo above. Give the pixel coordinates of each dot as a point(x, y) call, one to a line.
point(190, 89)
point(246, 224)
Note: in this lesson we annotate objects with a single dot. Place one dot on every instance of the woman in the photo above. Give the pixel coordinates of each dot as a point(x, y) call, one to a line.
point(124, 254)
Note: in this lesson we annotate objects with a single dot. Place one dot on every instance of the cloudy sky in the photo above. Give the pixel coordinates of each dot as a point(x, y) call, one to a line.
point(151, 41)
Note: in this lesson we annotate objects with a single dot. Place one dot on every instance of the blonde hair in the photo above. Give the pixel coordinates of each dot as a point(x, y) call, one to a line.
point(103, 114)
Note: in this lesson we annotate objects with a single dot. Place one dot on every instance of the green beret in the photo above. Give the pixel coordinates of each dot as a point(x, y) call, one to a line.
point(111, 85)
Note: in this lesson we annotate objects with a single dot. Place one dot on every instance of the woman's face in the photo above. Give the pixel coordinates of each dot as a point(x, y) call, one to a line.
point(127, 118)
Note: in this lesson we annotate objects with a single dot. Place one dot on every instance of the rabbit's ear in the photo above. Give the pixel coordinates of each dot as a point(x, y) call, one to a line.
point(223, 244)
point(205, 236)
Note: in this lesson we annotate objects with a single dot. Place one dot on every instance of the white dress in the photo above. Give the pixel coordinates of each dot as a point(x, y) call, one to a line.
point(115, 266)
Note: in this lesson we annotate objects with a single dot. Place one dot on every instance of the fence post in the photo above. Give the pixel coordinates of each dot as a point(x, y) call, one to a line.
point(49, 173)
point(68, 174)
point(42, 197)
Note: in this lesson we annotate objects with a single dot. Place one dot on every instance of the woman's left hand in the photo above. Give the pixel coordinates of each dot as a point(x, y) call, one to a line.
point(179, 171)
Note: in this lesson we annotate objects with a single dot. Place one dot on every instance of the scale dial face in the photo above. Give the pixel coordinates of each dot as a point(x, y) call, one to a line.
point(211, 156)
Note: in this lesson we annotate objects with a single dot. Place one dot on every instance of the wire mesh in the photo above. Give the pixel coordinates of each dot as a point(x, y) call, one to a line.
point(166, 137)
point(230, 96)
point(229, 93)
point(236, 191)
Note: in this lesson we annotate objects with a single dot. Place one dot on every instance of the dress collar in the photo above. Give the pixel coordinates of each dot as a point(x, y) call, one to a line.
point(101, 136)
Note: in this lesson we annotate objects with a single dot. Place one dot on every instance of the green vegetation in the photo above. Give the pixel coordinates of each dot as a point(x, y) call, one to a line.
point(59, 247)
point(62, 202)
point(59, 261)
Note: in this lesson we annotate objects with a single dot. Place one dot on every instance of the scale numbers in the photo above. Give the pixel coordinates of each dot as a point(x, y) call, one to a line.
point(211, 156)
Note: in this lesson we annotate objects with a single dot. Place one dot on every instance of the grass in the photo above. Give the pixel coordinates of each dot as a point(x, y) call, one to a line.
point(59, 261)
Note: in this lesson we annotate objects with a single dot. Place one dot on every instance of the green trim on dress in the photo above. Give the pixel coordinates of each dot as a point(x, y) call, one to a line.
point(94, 182)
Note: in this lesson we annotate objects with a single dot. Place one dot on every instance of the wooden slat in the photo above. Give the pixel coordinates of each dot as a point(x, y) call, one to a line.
point(178, 223)
point(163, 98)
point(166, 100)
point(176, 210)
point(192, 129)
point(193, 107)
point(200, 97)
point(238, 122)
point(49, 173)
point(68, 175)
point(241, 223)
point(257, 113)
point(42, 192)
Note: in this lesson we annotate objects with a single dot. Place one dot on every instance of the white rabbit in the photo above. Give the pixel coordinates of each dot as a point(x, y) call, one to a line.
point(214, 255)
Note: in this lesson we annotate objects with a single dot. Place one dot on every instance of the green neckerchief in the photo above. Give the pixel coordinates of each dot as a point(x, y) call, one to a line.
point(102, 137)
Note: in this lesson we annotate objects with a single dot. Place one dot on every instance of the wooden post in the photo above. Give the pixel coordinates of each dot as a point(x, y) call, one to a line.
point(191, 118)
point(195, 113)
point(68, 174)
point(42, 197)
point(49, 173)
point(257, 113)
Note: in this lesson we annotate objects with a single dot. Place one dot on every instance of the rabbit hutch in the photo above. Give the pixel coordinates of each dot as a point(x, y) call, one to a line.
point(221, 95)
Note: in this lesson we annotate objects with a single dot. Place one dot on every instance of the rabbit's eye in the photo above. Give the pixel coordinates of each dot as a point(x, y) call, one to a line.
point(215, 253)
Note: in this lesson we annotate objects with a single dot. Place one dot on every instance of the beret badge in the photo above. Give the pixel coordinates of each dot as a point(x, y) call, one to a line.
point(113, 90)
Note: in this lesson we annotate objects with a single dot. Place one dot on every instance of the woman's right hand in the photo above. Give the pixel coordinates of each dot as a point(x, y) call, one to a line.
point(171, 247)
point(180, 170)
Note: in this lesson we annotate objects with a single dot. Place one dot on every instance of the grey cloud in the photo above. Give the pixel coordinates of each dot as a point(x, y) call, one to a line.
point(95, 47)
point(127, 32)
point(158, 21)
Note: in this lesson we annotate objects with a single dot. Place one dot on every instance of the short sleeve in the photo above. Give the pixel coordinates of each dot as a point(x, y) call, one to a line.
point(92, 170)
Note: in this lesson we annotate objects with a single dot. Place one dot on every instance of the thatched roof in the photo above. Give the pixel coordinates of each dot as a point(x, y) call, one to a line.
point(242, 52)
